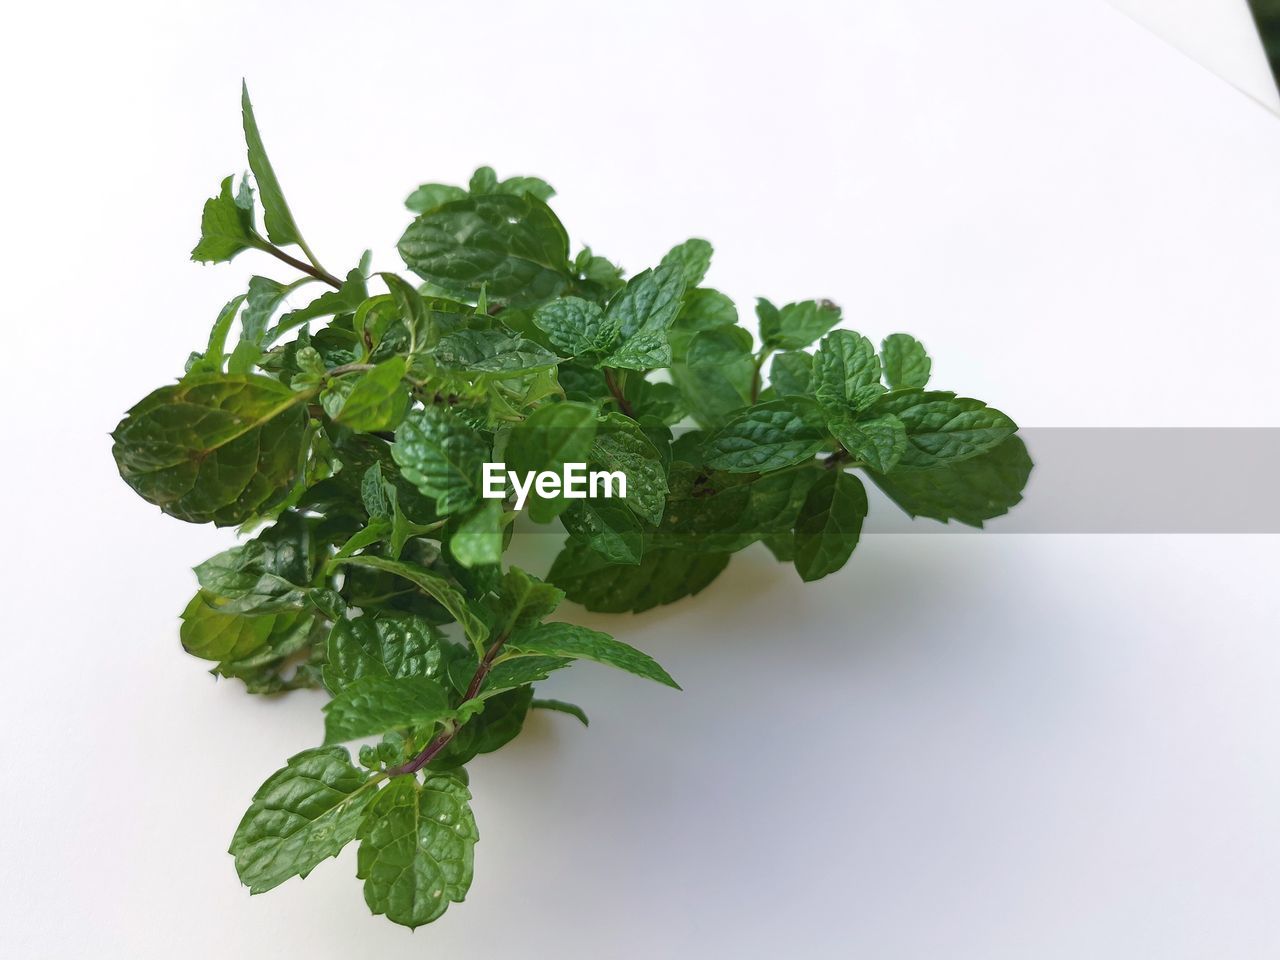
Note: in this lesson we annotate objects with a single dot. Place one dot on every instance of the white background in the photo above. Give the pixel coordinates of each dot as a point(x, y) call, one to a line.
point(962, 747)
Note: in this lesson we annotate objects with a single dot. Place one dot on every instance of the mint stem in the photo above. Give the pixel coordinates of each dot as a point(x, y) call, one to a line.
point(432, 749)
point(324, 275)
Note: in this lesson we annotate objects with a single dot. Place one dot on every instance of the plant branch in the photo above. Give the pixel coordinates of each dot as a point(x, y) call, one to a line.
point(616, 390)
point(432, 749)
point(311, 269)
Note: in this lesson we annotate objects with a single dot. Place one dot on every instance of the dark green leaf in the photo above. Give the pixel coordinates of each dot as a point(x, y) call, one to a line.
point(768, 436)
point(383, 645)
point(663, 576)
point(492, 352)
point(579, 643)
point(416, 848)
point(829, 524)
point(374, 705)
point(377, 399)
point(442, 457)
point(905, 362)
point(435, 586)
point(621, 445)
point(943, 428)
point(970, 491)
point(577, 327)
point(305, 813)
point(608, 528)
point(846, 372)
point(878, 443)
point(512, 246)
point(213, 448)
point(691, 258)
point(643, 311)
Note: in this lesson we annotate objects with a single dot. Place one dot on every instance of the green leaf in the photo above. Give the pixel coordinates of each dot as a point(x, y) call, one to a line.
point(432, 195)
point(382, 645)
point(579, 643)
point(533, 186)
point(346, 299)
point(607, 528)
point(500, 721)
point(905, 362)
point(643, 311)
point(442, 456)
point(478, 538)
point(662, 576)
point(791, 374)
point(226, 225)
point(435, 586)
point(846, 372)
point(796, 325)
point(718, 373)
point(276, 216)
point(577, 327)
point(691, 258)
point(374, 705)
point(768, 436)
point(829, 524)
point(522, 600)
point(493, 352)
point(519, 672)
point(514, 247)
point(416, 848)
point(265, 575)
point(621, 445)
point(213, 448)
point(264, 298)
point(303, 814)
point(943, 428)
point(377, 399)
point(550, 437)
point(211, 634)
point(971, 491)
point(879, 443)
point(561, 706)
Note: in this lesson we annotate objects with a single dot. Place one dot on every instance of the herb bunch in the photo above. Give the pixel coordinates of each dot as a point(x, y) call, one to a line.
point(347, 435)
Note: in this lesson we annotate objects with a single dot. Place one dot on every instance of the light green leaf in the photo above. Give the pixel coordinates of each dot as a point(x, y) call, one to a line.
point(416, 848)
point(276, 216)
point(514, 247)
point(561, 706)
point(346, 299)
point(226, 225)
point(829, 524)
point(211, 634)
point(377, 399)
point(717, 374)
point(579, 643)
point(796, 325)
point(213, 447)
point(305, 813)
point(478, 539)
point(373, 705)
point(768, 436)
point(442, 456)
point(791, 374)
point(551, 436)
point(905, 362)
point(691, 258)
point(431, 195)
point(522, 600)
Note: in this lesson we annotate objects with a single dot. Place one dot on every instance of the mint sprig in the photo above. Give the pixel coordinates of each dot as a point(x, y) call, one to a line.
point(347, 432)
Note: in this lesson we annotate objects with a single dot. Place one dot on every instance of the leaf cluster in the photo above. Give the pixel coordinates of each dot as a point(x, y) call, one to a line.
point(343, 430)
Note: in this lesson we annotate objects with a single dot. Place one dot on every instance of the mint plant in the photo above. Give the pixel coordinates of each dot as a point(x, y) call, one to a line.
point(345, 433)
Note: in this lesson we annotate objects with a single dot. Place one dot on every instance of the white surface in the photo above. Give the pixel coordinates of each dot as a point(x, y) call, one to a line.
point(970, 747)
point(1220, 34)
